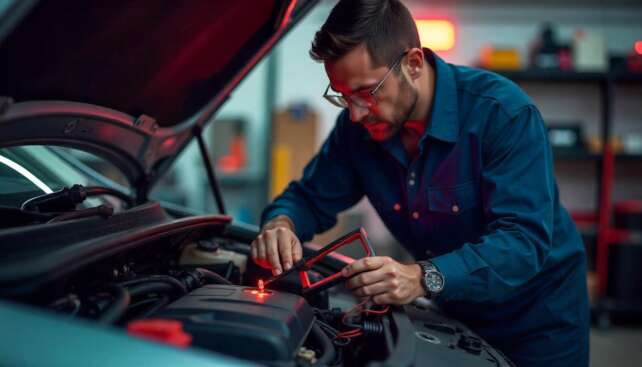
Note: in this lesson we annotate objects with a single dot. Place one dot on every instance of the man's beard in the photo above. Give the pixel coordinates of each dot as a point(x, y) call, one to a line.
point(381, 130)
point(407, 93)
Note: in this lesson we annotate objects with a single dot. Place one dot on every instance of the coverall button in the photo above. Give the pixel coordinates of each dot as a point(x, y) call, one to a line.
point(455, 208)
point(411, 182)
point(397, 207)
point(412, 174)
point(415, 215)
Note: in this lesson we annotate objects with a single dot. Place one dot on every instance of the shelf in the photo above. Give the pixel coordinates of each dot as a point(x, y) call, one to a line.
point(555, 75)
point(563, 155)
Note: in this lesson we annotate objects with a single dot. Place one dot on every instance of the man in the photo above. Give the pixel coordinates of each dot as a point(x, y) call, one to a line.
point(457, 164)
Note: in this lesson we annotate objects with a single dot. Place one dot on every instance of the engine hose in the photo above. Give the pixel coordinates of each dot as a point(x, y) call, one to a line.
point(150, 287)
point(369, 327)
point(372, 327)
point(157, 278)
point(328, 352)
point(118, 307)
point(212, 277)
point(161, 302)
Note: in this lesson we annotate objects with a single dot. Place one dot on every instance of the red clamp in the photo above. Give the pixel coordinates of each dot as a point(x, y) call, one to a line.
point(160, 330)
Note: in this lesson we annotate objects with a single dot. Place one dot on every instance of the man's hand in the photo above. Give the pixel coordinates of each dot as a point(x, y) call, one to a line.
point(277, 247)
point(384, 280)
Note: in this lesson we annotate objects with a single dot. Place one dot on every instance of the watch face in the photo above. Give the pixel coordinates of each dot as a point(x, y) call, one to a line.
point(434, 281)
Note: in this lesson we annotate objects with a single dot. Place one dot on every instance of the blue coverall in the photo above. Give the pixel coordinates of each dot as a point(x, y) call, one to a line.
point(480, 200)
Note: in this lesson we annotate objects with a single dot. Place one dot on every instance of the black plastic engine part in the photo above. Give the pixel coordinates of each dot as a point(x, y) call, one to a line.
point(234, 320)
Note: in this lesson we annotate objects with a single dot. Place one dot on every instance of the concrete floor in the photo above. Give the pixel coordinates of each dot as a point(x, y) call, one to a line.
point(616, 346)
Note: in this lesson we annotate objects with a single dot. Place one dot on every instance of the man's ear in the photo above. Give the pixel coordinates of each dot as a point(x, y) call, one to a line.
point(415, 62)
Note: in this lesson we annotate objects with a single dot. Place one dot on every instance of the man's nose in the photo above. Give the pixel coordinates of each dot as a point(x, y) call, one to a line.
point(357, 113)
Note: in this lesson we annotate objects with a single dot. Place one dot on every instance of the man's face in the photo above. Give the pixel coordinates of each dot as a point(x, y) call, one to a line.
point(354, 74)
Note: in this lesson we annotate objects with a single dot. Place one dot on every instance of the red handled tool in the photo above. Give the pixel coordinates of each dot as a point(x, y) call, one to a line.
point(305, 264)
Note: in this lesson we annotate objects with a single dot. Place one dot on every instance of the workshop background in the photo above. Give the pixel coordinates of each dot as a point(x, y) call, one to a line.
point(579, 60)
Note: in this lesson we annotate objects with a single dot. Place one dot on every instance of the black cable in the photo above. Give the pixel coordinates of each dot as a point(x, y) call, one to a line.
point(144, 302)
point(102, 210)
point(118, 307)
point(213, 277)
point(100, 190)
point(328, 353)
point(145, 288)
point(160, 302)
point(69, 300)
point(329, 329)
point(157, 278)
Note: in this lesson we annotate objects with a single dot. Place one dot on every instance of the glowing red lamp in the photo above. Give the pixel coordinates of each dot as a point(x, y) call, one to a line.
point(436, 34)
point(638, 47)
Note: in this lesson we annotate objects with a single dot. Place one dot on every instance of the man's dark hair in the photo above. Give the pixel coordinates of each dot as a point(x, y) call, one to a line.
point(384, 26)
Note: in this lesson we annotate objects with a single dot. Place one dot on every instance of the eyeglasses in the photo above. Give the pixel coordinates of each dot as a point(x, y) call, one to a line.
point(363, 99)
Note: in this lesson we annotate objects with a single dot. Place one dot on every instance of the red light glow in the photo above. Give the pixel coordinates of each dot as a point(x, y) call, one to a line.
point(261, 285)
point(638, 47)
point(436, 34)
point(258, 293)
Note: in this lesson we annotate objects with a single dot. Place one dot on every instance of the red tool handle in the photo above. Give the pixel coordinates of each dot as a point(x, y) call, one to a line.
point(358, 234)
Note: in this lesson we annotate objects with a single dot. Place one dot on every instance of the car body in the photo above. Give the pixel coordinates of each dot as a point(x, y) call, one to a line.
point(90, 273)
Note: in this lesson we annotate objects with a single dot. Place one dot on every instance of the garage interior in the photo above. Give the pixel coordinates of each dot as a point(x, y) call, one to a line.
point(588, 51)
point(579, 60)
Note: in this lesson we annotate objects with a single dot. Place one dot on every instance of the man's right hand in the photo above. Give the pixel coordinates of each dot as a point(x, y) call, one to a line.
point(277, 247)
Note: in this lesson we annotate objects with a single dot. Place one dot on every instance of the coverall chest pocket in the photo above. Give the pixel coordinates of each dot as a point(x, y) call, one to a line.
point(454, 213)
point(454, 200)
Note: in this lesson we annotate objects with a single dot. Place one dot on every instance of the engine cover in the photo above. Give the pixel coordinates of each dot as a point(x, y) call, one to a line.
point(237, 321)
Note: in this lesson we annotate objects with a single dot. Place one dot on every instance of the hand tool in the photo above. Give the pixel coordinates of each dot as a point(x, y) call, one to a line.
point(305, 264)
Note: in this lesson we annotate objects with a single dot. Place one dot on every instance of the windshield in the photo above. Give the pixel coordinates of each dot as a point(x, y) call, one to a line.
point(29, 171)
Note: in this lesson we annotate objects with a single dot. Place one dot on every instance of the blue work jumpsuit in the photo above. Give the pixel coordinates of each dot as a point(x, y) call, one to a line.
point(480, 200)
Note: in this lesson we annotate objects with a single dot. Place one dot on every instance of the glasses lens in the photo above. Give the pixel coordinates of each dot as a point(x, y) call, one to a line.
point(338, 101)
point(361, 101)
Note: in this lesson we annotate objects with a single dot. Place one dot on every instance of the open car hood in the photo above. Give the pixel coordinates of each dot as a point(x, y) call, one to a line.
point(130, 81)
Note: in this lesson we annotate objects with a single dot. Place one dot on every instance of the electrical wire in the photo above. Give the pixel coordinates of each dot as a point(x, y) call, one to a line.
point(213, 277)
point(157, 278)
point(100, 190)
point(69, 300)
point(328, 352)
point(118, 307)
point(160, 302)
point(358, 309)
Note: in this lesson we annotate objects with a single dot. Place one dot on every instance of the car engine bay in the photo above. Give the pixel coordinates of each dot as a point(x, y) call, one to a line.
point(187, 282)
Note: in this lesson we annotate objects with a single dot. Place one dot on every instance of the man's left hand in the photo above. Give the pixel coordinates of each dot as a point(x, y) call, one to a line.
point(384, 280)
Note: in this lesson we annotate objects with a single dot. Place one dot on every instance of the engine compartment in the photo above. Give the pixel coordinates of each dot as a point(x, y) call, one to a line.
point(144, 273)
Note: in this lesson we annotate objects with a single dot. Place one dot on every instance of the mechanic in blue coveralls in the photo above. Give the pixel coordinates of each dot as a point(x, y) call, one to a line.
point(456, 162)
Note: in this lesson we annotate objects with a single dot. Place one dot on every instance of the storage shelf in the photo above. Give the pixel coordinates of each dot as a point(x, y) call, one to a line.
point(588, 156)
point(555, 75)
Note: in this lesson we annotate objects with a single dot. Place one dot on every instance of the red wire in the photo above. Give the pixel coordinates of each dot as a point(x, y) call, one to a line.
point(359, 308)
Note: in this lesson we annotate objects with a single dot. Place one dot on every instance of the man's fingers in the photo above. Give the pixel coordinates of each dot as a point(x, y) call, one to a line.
point(285, 247)
point(362, 279)
point(365, 264)
point(297, 251)
point(382, 299)
point(272, 250)
point(261, 257)
point(371, 290)
point(253, 250)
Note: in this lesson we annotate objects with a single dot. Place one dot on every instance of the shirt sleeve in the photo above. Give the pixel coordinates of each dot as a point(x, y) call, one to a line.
point(329, 185)
point(518, 194)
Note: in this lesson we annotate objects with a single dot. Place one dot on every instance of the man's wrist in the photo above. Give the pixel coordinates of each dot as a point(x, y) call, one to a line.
point(432, 280)
point(279, 221)
point(419, 272)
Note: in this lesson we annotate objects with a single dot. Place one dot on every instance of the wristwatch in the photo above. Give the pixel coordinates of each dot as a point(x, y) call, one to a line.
point(432, 280)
